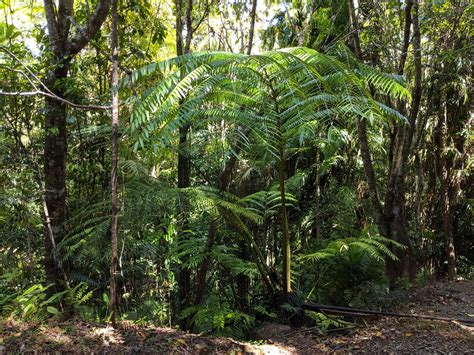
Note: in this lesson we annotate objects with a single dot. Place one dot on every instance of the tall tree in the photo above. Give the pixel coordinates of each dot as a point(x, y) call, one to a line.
point(390, 216)
point(184, 35)
point(115, 126)
point(64, 48)
point(186, 25)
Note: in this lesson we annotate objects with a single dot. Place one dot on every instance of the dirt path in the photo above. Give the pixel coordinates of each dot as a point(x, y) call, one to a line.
point(454, 299)
point(406, 335)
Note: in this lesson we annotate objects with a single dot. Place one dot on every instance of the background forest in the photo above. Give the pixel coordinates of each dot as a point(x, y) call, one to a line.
point(268, 153)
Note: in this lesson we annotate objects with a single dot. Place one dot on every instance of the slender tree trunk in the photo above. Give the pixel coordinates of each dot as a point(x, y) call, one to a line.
point(184, 180)
point(355, 29)
point(253, 16)
point(115, 143)
point(285, 231)
point(184, 162)
point(188, 20)
point(179, 27)
point(445, 177)
point(284, 219)
point(379, 215)
point(183, 46)
point(243, 281)
point(317, 198)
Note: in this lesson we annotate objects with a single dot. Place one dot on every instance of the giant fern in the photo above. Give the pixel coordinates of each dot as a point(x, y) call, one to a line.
point(272, 94)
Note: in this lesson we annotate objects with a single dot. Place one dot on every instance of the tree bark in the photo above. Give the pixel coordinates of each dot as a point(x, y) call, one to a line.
point(55, 153)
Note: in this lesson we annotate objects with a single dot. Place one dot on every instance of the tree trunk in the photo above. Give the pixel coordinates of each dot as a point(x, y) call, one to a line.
point(115, 143)
point(55, 154)
point(395, 199)
point(184, 179)
point(184, 162)
point(406, 265)
point(58, 19)
point(284, 220)
point(253, 16)
point(446, 178)
point(391, 218)
point(285, 233)
point(317, 198)
point(243, 281)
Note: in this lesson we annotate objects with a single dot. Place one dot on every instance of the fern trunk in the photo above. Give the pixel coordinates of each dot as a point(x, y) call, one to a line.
point(284, 219)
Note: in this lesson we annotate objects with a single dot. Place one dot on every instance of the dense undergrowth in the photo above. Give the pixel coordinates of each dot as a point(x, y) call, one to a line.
point(346, 272)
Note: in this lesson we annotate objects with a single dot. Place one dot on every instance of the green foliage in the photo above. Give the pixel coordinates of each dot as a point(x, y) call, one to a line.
point(30, 303)
point(149, 311)
point(34, 303)
point(351, 271)
point(220, 318)
point(365, 247)
point(325, 322)
point(305, 86)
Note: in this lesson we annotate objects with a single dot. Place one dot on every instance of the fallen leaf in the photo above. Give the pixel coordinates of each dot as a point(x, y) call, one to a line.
point(408, 334)
point(16, 335)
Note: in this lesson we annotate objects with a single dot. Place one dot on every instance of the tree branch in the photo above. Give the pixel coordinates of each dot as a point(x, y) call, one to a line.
point(127, 71)
point(56, 97)
point(417, 90)
point(406, 37)
point(65, 11)
point(52, 24)
point(47, 92)
point(205, 14)
point(91, 28)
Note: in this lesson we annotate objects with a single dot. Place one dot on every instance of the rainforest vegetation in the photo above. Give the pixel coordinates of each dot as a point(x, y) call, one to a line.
point(210, 165)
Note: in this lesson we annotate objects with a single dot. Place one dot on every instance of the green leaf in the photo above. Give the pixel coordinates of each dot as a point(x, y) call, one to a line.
point(52, 310)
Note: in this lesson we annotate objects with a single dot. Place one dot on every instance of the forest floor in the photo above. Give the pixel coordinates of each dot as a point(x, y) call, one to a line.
point(399, 335)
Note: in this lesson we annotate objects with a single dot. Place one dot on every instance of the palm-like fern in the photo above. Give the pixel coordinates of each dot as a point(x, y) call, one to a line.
point(349, 270)
point(273, 94)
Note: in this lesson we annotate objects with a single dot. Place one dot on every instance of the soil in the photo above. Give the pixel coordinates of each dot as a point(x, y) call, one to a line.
point(391, 335)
